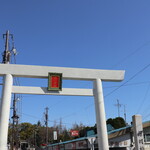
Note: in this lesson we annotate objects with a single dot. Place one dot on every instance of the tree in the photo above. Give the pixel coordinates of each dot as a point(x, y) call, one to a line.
point(34, 134)
point(65, 135)
point(117, 122)
point(26, 130)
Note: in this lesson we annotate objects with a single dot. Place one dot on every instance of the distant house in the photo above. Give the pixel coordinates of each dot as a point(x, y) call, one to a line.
point(119, 139)
point(123, 137)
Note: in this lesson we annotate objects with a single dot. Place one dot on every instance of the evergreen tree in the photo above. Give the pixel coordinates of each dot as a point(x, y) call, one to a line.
point(117, 122)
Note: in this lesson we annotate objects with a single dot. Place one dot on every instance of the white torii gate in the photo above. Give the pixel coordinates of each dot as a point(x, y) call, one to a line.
point(97, 76)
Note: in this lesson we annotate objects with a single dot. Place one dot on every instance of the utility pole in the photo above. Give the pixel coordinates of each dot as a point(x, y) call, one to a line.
point(118, 105)
point(5, 102)
point(15, 117)
point(6, 60)
point(60, 126)
point(46, 123)
point(7, 53)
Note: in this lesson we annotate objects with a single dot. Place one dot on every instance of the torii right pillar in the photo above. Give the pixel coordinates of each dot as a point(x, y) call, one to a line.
point(100, 116)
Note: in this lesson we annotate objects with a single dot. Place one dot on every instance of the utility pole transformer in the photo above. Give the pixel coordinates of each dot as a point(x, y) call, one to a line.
point(7, 53)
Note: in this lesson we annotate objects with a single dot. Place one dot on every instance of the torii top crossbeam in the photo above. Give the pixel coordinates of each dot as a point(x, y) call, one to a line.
point(68, 73)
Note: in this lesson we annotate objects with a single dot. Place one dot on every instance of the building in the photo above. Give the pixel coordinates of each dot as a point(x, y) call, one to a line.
point(119, 139)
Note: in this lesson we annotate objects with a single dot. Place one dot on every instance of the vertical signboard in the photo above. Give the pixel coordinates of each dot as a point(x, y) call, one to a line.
point(55, 135)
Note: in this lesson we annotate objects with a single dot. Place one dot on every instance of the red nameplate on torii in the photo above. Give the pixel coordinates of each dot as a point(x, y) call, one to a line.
point(55, 81)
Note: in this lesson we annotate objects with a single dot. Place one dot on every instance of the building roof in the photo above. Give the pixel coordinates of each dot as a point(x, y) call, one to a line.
point(111, 134)
point(124, 130)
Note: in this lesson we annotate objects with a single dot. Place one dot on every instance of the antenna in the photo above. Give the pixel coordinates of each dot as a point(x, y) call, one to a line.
point(125, 114)
point(118, 105)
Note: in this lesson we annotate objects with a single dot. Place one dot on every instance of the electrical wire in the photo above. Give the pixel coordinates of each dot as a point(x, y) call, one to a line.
point(124, 59)
point(35, 117)
point(143, 69)
point(145, 117)
point(146, 110)
point(124, 84)
point(131, 84)
point(143, 100)
point(131, 54)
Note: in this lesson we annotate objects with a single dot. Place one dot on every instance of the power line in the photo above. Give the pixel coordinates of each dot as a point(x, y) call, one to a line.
point(143, 100)
point(136, 83)
point(144, 118)
point(146, 110)
point(125, 84)
point(35, 117)
point(131, 54)
point(128, 80)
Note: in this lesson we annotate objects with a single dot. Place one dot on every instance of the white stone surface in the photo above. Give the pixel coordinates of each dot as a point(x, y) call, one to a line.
point(138, 132)
point(44, 91)
point(5, 110)
point(100, 116)
point(68, 73)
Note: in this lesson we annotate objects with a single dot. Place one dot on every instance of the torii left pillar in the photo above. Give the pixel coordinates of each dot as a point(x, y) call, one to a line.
point(5, 110)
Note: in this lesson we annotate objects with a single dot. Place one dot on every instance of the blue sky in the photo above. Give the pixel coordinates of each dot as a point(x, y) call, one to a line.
point(96, 34)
